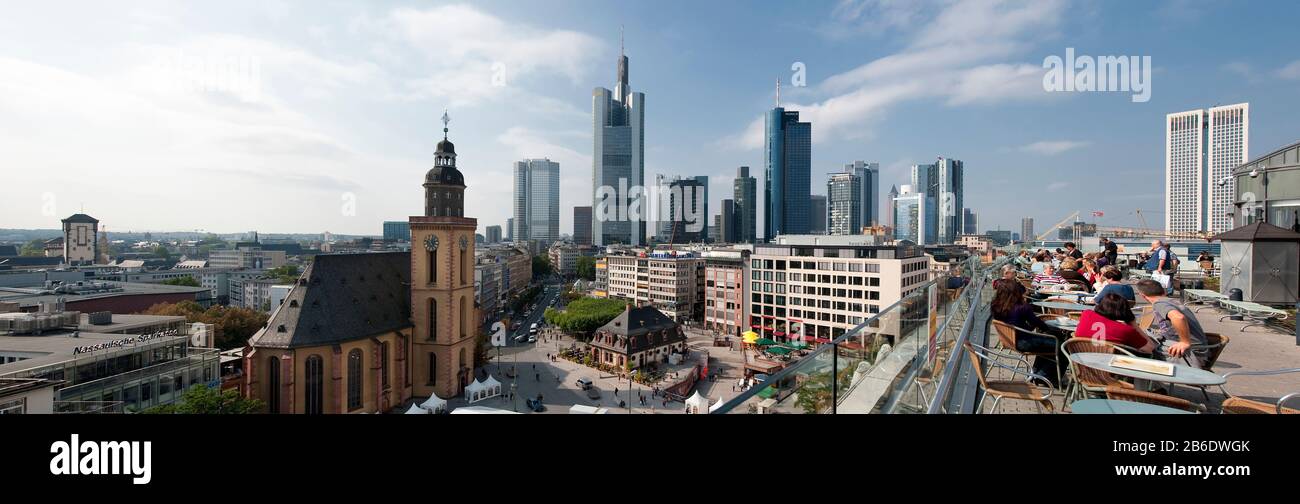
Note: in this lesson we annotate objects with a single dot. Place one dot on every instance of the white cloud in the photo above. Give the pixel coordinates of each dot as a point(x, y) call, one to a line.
point(959, 57)
point(1290, 71)
point(1052, 147)
point(1056, 186)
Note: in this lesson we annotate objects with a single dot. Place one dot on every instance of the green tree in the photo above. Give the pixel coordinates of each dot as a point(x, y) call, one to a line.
point(187, 281)
point(34, 248)
point(586, 268)
point(287, 274)
point(583, 316)
point(233, 325)
point(541, 265)
point(204, 400)
point(161, 251)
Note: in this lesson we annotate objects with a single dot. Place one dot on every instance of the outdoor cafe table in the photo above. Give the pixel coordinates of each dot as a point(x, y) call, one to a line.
point(1067, 324)
point(1113, 407)
point(1062, 306)
point(1183, 374)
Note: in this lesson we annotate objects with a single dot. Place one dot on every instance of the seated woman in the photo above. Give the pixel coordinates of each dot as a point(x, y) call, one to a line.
point(1115, 284)
point(1112, 320)
point(1048, 278)
point(1091, 272)
point(1041, 261)
point(1070, 273)
point(1010, 307)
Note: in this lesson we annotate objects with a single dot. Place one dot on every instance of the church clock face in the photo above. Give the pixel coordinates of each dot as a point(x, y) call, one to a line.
point(464, 243)
point(431, 243)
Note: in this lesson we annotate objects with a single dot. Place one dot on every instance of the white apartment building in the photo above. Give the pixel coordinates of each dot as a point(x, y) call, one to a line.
point(815, 288)
point(1201, 149)
point(670, 280)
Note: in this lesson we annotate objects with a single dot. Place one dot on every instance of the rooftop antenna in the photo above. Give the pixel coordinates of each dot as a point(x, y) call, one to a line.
point(620, 40)
point(778, 91)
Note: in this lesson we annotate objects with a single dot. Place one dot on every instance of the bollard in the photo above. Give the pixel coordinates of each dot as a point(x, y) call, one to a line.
point(1234, 294)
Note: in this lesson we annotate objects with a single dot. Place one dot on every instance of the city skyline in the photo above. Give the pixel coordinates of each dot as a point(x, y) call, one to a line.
point(332, 127)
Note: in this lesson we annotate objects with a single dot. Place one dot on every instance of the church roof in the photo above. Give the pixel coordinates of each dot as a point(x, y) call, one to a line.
point(342, 297)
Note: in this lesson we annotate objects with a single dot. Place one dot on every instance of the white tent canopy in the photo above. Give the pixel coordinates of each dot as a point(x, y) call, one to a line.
point(481, 410)
point(416, 410)
point(697, 403)
point(434, 404)
point(482, 390)
point(717, 405)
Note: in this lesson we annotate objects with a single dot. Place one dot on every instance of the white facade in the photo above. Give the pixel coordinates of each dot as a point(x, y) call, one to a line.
point(537, 201)
point(1201, 149)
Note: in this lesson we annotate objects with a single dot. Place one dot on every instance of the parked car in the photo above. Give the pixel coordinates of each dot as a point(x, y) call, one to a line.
point(584, 383)
point(521, 338)
point(593, 393)
point(532, 338)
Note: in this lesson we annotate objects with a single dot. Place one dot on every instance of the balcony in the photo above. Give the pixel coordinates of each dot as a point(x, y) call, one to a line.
point(916, 357)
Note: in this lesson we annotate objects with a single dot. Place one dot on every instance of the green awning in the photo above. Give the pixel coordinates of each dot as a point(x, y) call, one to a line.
point(767, 392)
point(764, 342)
point(778, 350)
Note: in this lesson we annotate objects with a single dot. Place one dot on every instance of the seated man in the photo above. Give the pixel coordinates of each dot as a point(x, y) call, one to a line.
point(1174, 327)
point(956, 280)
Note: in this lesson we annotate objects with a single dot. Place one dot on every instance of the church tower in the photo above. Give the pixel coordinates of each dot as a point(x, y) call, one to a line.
point(442, 281)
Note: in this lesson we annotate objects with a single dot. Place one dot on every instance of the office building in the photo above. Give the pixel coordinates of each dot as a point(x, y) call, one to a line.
point(745, 198)
point(537, 200)
point(116, 363)
point(814, 288)
point(582, 225)
point(942, 183)
point(844, 211)
point(788, 175)
point(968, 222)
point(728, 223)
point(869, 178)
point(702, 183)
point(510, 229)
point(1202, 147)
point(817, 214)
point(912, 213)
point(1000, 238)
point(618, 161)
point(670, 280)
point(397, 231)
point(1027, 229)
point(681, 216)
point(564, 257)
point(493, 234)
point(889, 207)
point(487, 289)
point(726, 293)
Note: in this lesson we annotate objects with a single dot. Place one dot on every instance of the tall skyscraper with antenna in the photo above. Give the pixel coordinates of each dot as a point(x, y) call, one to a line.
point(618, 161)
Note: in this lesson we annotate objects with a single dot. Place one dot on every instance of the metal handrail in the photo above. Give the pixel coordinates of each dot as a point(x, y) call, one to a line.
point(950, 368)
point(811, 357)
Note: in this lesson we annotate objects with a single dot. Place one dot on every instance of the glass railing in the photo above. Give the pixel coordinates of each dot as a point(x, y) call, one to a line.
point(897, 361)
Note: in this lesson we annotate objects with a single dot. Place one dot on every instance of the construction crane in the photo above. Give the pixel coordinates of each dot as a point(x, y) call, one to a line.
point(1069, 219)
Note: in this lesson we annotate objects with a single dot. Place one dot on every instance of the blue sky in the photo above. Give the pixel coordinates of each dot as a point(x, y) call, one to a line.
point(339, 129)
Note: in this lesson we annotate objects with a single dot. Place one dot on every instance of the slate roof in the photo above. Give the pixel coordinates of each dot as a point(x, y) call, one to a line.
point(342, 297)
point(649, 328)
point(81, 217)
point(1257, 232)
point(8, 250)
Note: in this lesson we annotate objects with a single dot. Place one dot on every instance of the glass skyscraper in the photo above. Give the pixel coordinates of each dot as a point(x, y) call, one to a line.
point(744, 195)
point(788, 175)
point(537, 200)
point(844, 212)
point(869, 199)
point(618, 163)
point(942, 183)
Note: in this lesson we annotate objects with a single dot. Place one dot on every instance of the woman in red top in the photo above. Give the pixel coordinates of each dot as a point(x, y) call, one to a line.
point(1112, 320)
